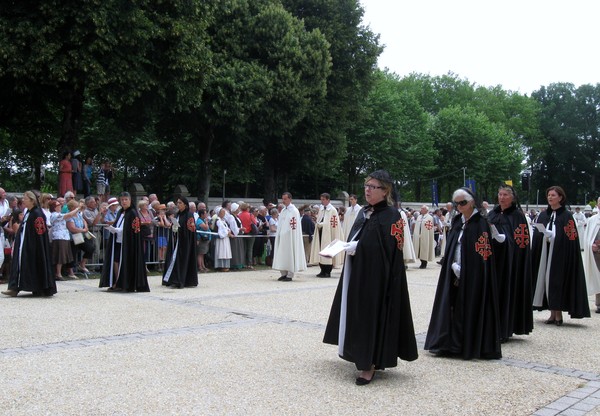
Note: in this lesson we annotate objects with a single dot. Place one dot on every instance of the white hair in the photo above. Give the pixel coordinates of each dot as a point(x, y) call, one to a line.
point(463, 193)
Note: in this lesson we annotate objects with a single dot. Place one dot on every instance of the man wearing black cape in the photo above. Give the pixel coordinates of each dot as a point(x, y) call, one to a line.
point(513, 264)
point(371, 319)
point(124, 266)
point(181, 267)
point(464, 320)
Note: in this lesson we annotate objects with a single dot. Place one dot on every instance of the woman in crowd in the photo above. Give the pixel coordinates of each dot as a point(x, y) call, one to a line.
point(65, 178)
point(370, 319)
point(45, 206)
point(557, 264)
point(125, 252)
point(163, 227)
point(147, 228)
point(31, 268)
point(513, 264)
point(88, 170)
point(181, 269)
point(465, 320)
point(61, 240)
point(272, 233)
point(77, 225)
point(203, 238)
point(237, 244)
point(249, 225)
point(222, 244)
point(77, 170)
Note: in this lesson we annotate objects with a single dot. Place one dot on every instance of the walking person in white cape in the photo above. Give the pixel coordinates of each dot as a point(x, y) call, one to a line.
point(590, 245)
point(289, 257)
point(350, 215)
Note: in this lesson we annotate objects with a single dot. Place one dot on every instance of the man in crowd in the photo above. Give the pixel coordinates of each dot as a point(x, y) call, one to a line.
point(423, 237)
point(289, 257)
point(308, 229)
point(327, 229)
point(590, 244)
point(350, 215)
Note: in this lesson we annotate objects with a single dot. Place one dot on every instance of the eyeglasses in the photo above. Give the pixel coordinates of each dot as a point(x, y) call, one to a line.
point(461, 203)
point(371, 187)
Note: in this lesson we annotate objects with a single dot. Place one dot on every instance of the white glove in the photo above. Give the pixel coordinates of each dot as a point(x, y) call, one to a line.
point(550, 234)
point(456, 269)
point(350, 247)
point(500, 238)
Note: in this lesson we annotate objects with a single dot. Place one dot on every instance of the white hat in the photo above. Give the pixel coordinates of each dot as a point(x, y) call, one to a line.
point(234, 207)
point(112, 201)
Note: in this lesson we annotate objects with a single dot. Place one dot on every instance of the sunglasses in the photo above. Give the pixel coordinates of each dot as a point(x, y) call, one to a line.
point(461, 203)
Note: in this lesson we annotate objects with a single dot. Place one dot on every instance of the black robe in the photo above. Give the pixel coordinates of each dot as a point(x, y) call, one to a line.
point(567, 289)
point(181, 266)
point(465, 318)
point(31, 264)
point(379, 326)
point(132, 267)
point(513, 271)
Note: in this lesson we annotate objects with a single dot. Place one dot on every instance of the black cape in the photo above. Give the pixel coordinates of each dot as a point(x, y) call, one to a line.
point(567, 289)
point(181, 266)
point(132, 267)
point(379, 325)
point(513, 271)
point(31, 265)
point(465, 318)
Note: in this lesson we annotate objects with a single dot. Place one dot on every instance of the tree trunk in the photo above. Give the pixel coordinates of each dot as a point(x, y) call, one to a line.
point(73, 98)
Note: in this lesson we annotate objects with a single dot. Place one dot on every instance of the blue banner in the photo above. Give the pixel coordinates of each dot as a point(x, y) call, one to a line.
point(434, 194)
point(470, 183)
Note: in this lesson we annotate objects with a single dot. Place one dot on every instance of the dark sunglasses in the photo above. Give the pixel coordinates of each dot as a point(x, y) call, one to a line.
point(461, 203)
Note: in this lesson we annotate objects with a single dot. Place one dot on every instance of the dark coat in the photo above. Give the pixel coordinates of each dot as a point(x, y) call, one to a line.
point(31, 265)
point(566, 289)
point(181, 266)
point(132, 267)
point(379, 326)
point(465, 318)
point(513, 271)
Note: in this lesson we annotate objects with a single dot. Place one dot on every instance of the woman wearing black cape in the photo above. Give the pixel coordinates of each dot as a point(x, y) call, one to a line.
point(124, 267)
point(181, 268)
point(465, 320)
point(513, 264)
point(371, 319)
point(557, 263)
point(31, 268)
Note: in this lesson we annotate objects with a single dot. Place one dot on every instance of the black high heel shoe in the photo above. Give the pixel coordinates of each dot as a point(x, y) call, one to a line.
point(360, 381)
point(550, 321)
point(559, 322)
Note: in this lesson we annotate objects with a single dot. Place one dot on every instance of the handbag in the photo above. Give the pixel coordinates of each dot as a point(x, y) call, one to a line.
point(78, 238)
point(253, 229)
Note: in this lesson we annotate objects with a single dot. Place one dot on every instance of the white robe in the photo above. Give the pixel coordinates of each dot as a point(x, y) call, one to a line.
point(349, 218)
point(327, 229)
point(409, 250)
point(289, 247)
point(592, 274)
point(423, 238)
point(222, 245)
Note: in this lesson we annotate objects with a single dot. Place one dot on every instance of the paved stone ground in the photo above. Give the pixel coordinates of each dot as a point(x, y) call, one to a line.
point(242, 343)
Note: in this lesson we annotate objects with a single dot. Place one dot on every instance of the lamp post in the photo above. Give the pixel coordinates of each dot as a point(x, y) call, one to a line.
point(224, 173)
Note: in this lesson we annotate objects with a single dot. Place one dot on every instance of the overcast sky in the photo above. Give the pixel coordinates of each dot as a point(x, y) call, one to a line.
point(519, 44)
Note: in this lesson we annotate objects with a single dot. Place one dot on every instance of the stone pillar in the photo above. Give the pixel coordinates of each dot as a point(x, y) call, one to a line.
point(181, 190)
point(137, 191)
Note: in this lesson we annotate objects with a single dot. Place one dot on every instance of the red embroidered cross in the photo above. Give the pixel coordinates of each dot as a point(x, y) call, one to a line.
point(135, 225)
point(397, 231)
point(293, 223)
point(40, 225)
point(482, 246)
point(333, 222)
point(521, 235)
point(429, 224)
point(191, 225)
point(571, 230)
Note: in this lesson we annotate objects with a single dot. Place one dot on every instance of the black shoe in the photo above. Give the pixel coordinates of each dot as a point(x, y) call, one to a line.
point(559, 322)
point(363, 381)
point(550, 321)
point(321, 274)
point(598, 309)
point(285, 279)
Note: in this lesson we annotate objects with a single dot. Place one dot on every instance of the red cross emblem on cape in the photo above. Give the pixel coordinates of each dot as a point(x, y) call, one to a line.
point(571, 230)
point(191, 225)
point(429, 224)
point(293, 223)
point(334, 222)
point(482, 246)
point(135, 225)
point(397, 231)
point(40, 225)
point(521, 235)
